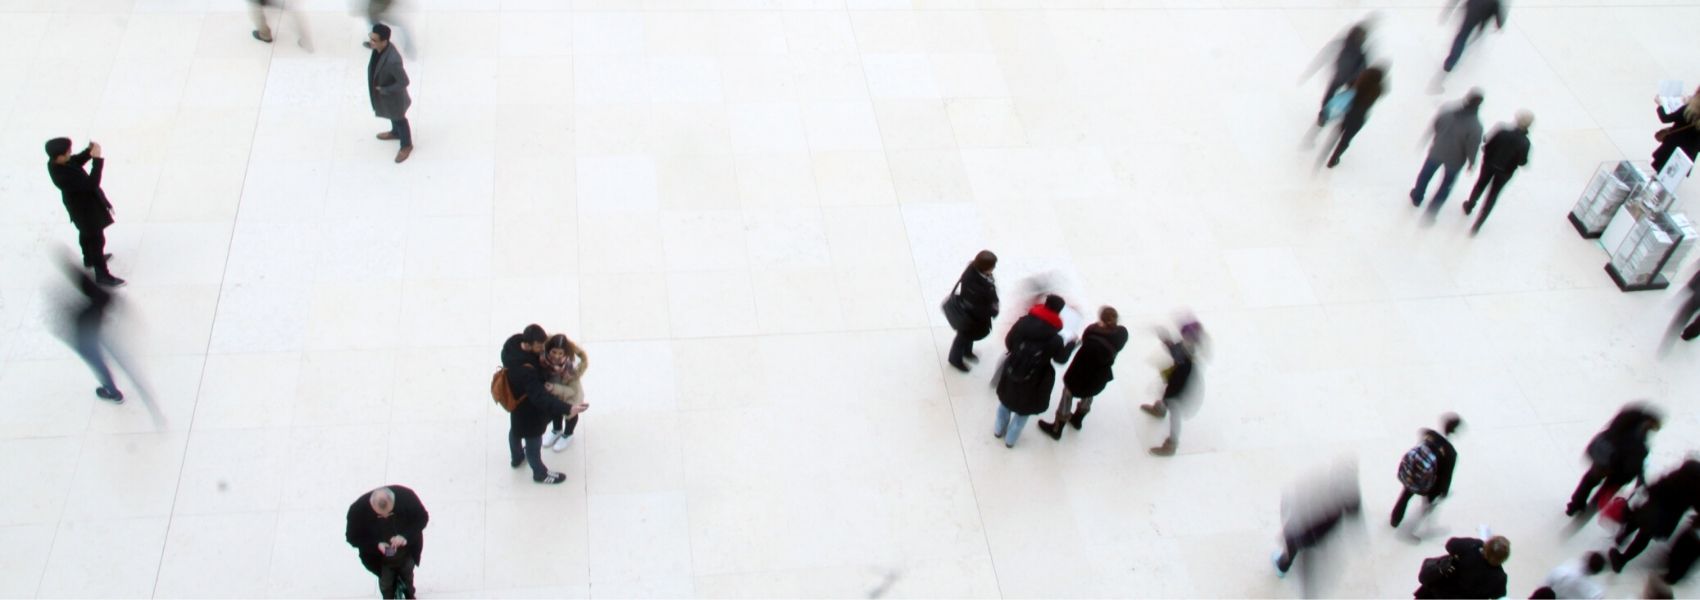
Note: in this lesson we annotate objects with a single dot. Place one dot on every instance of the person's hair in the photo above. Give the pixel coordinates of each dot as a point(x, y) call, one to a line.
point(1108, 315)
point(58, 147)
point(558, 341)
point(1473, 99)
point(383, 497)
point(533, 334)
point(1450, 422)
point(1192, 331)
point(1368, 87)
point(1692, 111)
point(1525, 119)
point(382, 30)
point(1543, 593)
point(985, 261)
point(1054, 302)
point(1497, 550)
point(1357, 35)
point(1595, 562)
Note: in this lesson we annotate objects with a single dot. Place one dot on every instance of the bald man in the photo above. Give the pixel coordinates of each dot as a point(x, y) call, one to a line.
point(387, 526)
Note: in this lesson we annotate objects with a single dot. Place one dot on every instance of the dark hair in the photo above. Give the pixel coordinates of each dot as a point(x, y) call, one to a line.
point(558, 341)
point(1450, 422)
point(985, 261)
point(1544, 593)
point(533, 334)
point(1108, 315)
point(58, 147)
point(1054, 302)
point(1368, 87)
point(382, 30)
point(1596, 562)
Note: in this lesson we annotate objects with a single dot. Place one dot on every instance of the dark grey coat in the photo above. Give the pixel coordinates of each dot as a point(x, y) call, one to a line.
point(386, 84)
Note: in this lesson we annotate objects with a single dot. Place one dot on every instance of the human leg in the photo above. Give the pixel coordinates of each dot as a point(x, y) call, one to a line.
point(1423, 177)
point(1054, 427)
point(1500, 178)
point(1016, 422)
point(1458, 43)
point(1349, 128)
point(1449, 176)
point(1080, 411)
point(1399, 505)
point(560, 443)
point(88, 346)
point(388, 574)
point(516, 454)
point(1579, 498)
point(534, 457)
point(959, 349)
point(402, 131)
point(257, 12)
point(1684, 314)
point(1002, 425)
point(1482, 182)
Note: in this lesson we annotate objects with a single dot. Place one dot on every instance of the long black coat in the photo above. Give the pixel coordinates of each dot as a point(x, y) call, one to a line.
point(386, 84)
point(1092, 366)
point(1032, 396)
point(1688, 139)
point(1622, 446)
point(1472, 576)
point(80, 191)
point(525, 379)
point(1668, 499)
point(366, 530)
point(979, 296)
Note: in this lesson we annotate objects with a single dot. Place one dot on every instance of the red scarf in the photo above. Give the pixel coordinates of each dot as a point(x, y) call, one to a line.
point(1047, 315)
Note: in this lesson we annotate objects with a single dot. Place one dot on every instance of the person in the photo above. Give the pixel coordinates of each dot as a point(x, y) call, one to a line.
point(1506, 149)
point(1090, 371)
point(1366, 90)
point(537, 405)
point(976, 301)
point(387, 527)
point(1477, 13)
point(564, 363)
point(1617, 455)
point(1668, 500)
point(1310, 516)
point(1684, 551)
point(1350, 60)
point(1180, 396)
point(1025, 380)
point(1471, 568)
point(1426, 470)
point(85, 331)
point(1682, 134)
point(386, 83)
point(85, 202)
point(1688, 313)
point(1457, 134)
point(263, 32)
point(1573, 579)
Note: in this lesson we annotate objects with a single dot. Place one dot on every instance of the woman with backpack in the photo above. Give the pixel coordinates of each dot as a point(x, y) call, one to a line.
point(1616, 455)
point(1090, 371)
point(1180, 392)
point(1025, 380)
point(1427, 468)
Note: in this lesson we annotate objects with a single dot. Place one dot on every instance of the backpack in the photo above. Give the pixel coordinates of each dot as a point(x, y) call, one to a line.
point(502, 392)
point(1024, 362)
point(1420, 469)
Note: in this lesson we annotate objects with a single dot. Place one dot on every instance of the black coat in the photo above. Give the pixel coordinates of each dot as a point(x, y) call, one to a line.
point(1032, 396)
point(1668, 499)
point(84, 201)
point(1092, 366)
point(1471, 575)
point(525, 379)
point(1621, 449)
point(366, 530)
point(1506, 150)
point(979, 296)
point(1687, 137)
point(1179, 372)
point(1443, 467)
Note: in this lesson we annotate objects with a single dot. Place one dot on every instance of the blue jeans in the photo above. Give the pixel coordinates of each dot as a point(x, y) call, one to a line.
point(1446, 180)
point(1009, 425)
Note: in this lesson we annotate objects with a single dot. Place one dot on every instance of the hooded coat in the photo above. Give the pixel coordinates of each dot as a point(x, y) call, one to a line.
point(1093, 362)
point(1036, 333)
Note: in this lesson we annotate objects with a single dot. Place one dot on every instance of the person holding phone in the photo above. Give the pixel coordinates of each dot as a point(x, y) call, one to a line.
point(387, 527)
point(84, 201)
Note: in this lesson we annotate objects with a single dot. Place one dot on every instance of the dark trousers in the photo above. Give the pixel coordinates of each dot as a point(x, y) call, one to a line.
point(1590, 480)
point(86, 341)
point(1458, 42)
point(396, 571)
point(960, 347)
point(1405, 496)
point(1492, 180)
point(1689, 314)
point(1349, 127)
point(402, 131)
point(1449, 177)
point(93, 243)
point(533, 453)
point(570, 425)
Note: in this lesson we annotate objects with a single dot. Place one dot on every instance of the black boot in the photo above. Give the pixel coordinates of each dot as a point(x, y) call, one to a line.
point(1055, 430)
point(1078, 418)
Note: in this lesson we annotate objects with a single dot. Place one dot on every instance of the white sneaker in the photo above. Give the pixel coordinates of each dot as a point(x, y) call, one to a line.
point(561, 443)
point(549, 437)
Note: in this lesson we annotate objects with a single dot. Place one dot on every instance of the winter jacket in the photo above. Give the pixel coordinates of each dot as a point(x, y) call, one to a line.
point(1506, 149)
point(1093, 362)
point(1668, 499)
point(84, 201)
point(526, 379)
point(1686, 136)
point(1029, 393)
point(1446, 462)
point(1470, 575)
point(979, 297)
point(1457, 136)
point(1621, 448)
point(386, 84)
point(366, 530)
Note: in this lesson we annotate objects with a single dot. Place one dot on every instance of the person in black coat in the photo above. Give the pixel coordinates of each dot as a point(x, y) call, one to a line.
point(1617, 455)
point(1024, 382)
point(1446, 460)
point(1668, 500)
point(1180, 388)
point(537, 407)
point(1477, 13)
point(1686, 322)
point(1367, 89)
point(1683, 132)
point(1506, 149)
point(1471, 568)
point(976, 298)
point(1090, 371)
point(84, 201)
point(387, 526)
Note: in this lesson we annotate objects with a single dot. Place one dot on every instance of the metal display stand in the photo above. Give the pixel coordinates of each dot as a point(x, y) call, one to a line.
point(1649, 256)
point(1612, 185)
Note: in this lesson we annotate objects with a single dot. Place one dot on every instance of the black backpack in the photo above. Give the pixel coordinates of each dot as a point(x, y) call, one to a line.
point(1025, 361)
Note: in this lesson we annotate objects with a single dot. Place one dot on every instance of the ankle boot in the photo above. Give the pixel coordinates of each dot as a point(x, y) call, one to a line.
point(1078, 418)
point(1055, 430)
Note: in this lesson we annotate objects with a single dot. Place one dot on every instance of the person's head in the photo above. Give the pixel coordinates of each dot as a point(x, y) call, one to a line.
point(1054, 303)
point(1497, 550)
point(1593, 563)
point(383, 502)
point(985, 261)
point(59, 149)
point(1543, 593)
point(1192, 332)
point(532, 339)
point(1449, 423)
point(1369, 84)
point(1108, 317)
point(1473, 100)
point(1525, 119)
point(1357, 34)
point(380, 36)
point(557, 348)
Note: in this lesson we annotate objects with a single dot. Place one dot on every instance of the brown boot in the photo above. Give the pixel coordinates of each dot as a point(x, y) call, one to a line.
point(403, 154)
point(1167, 449)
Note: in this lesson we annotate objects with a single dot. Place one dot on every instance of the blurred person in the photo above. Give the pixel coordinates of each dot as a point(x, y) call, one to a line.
point(1310, 516)
point(387, 527)
point(1351, 57)
point(1426, 470)
point(1366, 90)
point(537, 407)
point(1091, 370)
point(1684, 550)
point(263, 32)
point(1657, 590)
point(1682, 134)
point(564, 363)
point(1505, 151)
point(386, 83)
point(85, 202)
point(1471, 568)
point(970, 308)
point(1688, 313)
point(1181, 398)
point(1476, 15)
point(1456, 135)
point(88, 317)
point(1669, 498)
point(1574, 579)
point(1617, 455)
point(384, 11)
point(1025, 379)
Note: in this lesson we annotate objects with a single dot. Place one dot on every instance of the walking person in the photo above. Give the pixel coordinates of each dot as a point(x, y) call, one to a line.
point(1309, 518)
point(84, 331)
point(1617, 455)
point(386, 85)
point(1456, 135)
point(1471, 568)
point(1669, 498)
point(263, 32)
point(85, 202)
point(1351, 57)
point(1477, 13)
point(387, 527)
point(1025, 380)
point(1506, 150)
point(1426, 470)
point(1180, 392)
point(1366, 90)
point(384, 11)
point(1686, 322)
point(1091, 370)
point(564, 363)
point(1574, 579)
point(1682, 134)
point(537, 406)
point(970, 308)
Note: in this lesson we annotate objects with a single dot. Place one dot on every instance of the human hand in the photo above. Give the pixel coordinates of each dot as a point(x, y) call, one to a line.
point(398, 541)
point(94, 149)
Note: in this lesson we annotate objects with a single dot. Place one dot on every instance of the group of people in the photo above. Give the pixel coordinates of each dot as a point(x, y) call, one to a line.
point(541, 375)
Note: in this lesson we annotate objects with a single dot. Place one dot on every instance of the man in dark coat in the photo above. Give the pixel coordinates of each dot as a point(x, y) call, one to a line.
point(1668, 500)
point(1024, 383)
point(977, 298)
point(1446, 461)
point(1091, 370)
point(84, 201)
point(1456, 138)
point(1506, 149)
point(537, 406)
point(386, 85)
point(1617, 455)
point(1477, 13)
point(387, 526)
point(1471, 568)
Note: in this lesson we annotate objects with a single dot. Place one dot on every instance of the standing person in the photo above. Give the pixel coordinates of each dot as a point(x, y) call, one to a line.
point(1457, 134)
point(1573, 579)
point(1366, 90)
point(1310, 516)
point(84, 201)
point(1506, 150)
point(1350, 59)
point(1426, 470)
point(971, 307)
point(564, 363)
point(1025, 380)
point(1180, 395)
point(386, 85)
point(1668, 500)
point(1477, 13)
point(1471, 568)
point(1617, 455)
point(1688, 313)
point(1683, 133)
point(263, 32)
point(387, 526)
point(1090, 371)
point(537, 405)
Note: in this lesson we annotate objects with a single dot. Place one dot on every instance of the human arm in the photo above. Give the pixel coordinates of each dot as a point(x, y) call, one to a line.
point(397, 77)
point(1667, 117)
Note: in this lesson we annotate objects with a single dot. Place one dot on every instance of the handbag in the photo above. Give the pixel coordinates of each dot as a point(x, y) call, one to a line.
point(1338, 103)
point(1660, 135)
point(954, 312)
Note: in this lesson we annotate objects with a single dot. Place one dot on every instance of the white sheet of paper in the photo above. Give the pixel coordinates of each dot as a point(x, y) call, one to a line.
point(1670, 95)
point(1073, 324)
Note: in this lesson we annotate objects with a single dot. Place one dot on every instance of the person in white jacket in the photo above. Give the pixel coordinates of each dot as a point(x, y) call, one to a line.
point(1574, 579)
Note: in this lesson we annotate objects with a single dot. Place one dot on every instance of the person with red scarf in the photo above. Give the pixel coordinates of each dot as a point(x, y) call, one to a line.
point(1024, 383)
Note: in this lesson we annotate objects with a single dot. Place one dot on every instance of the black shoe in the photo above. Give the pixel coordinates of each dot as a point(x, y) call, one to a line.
point(264, 38)
point(960, 366)
point(1051, 429)
point(1572, 509)
point(1416, 200)
point(1617, 560)
point(1469, 206)
point(972, 357)
point(551, 479)
point(1077, 419)
point(109, 281)
point(111, 395)
point(515, 463)
point(103, 257)
point(1332, 162)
